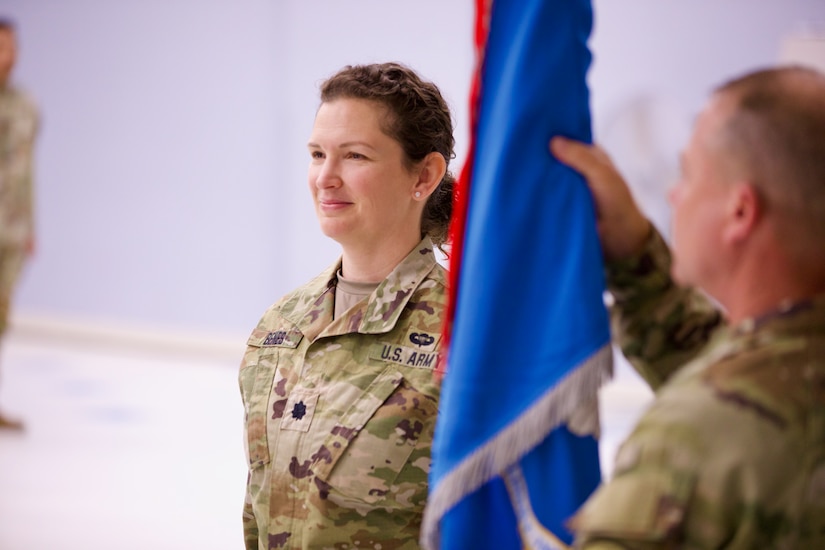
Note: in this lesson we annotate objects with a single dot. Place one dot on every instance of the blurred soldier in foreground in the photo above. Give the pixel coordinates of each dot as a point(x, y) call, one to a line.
point(731, 454)
point(18, 126)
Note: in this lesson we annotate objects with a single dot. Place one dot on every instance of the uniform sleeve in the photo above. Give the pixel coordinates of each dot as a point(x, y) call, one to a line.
point(646, 503)
point(643, 508)
point(250, 524)
point(658, 325)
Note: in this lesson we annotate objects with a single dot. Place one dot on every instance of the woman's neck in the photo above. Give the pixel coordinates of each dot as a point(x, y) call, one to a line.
point(371, 263)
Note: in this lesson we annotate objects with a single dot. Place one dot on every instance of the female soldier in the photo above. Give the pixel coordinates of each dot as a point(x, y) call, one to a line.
point(337, 379)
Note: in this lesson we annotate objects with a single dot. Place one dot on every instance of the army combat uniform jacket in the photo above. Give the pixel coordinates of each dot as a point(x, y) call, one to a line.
point(340, 413)
point(731, 454)
point(18, 129)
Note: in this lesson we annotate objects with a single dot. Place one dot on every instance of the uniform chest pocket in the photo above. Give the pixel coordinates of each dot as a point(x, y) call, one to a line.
point(256, 377)
point(260, 388)
point(373, 442)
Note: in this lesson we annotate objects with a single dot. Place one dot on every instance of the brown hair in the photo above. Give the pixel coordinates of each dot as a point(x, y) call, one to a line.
point(776, 131)
point(420, 121)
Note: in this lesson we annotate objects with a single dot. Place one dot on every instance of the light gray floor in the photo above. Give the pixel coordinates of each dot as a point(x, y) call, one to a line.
point(126, 449)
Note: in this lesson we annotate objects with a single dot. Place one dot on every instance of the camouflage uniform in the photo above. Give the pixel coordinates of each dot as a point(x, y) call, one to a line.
point(18, 128)
point(340, 414)
point(731, 454)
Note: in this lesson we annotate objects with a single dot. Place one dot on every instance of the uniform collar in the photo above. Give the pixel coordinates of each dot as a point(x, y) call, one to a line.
point(788, 315)
point(311, 310)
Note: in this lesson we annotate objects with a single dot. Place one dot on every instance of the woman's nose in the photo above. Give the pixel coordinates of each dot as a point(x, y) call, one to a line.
point(327, 174)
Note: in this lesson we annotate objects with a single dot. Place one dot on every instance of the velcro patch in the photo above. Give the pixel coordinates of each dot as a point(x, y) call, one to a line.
point(299, 410)
point(402, 355)
point(283, 338)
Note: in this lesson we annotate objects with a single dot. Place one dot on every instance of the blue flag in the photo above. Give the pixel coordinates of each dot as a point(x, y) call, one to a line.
point(516, 442)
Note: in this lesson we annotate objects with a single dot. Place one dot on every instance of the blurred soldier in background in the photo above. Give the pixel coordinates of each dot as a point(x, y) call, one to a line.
point(18, 127)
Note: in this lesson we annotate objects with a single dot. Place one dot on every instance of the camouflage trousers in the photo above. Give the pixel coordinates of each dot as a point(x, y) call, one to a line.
point(11, 264)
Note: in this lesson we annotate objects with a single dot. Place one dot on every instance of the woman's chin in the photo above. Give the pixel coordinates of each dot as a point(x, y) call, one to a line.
point(335, 231)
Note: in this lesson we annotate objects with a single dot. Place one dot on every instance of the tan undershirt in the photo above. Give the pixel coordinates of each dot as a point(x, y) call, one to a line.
point(349, 293)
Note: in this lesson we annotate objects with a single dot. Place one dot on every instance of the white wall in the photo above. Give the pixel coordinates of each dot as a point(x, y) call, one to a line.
point(171, 164)
point(655, 63)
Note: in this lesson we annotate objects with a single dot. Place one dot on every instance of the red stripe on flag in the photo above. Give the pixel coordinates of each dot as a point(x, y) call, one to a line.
point(462, 187)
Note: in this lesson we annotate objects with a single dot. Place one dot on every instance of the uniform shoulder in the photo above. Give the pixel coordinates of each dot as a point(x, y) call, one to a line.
point(300, 296)
point(775, 374)
point(696, 412)
point(25, 102)
point(439, 274)
point(433, 288)
point(745, 402)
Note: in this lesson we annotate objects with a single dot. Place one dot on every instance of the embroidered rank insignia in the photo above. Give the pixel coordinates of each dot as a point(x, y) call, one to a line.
point(299, 410)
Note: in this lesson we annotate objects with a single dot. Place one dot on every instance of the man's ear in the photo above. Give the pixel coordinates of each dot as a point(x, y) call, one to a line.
point(430, 172)
point(745, 210)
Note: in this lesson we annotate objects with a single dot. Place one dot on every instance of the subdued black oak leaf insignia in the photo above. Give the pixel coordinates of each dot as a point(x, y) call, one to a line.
point(299, 410)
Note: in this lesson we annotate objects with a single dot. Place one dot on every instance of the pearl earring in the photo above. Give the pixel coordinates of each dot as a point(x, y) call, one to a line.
point(417, 194)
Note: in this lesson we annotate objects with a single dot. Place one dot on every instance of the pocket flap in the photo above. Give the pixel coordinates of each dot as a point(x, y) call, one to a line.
point(355, 418)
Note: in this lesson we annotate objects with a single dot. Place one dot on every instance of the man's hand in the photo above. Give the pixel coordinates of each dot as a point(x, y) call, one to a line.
point(622, 227)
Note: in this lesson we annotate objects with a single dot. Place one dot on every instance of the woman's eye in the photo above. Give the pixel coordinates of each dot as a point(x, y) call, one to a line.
point(316, 154)
point(356, 156)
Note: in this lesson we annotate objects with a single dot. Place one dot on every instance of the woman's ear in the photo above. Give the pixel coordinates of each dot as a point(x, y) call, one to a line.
point(431, 170)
